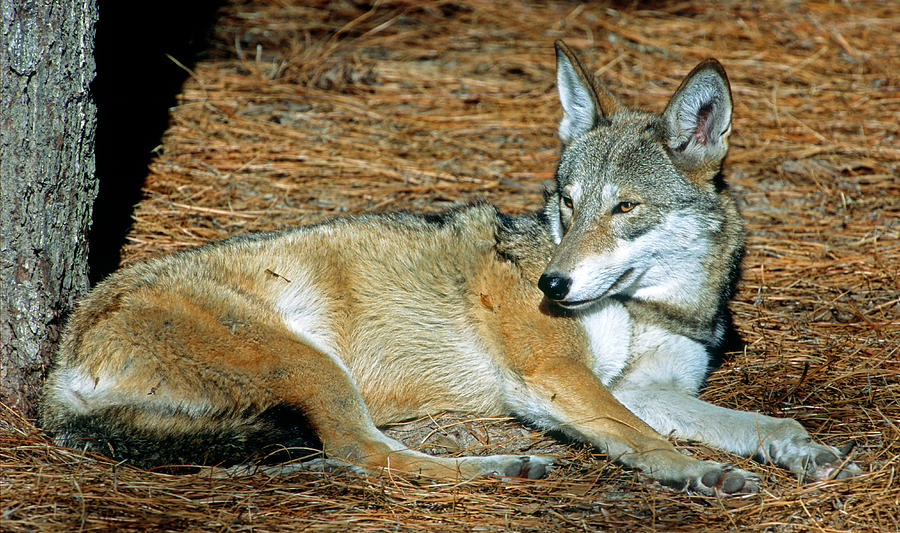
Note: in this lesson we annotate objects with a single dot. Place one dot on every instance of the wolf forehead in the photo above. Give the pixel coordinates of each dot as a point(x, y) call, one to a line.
point(626, 150)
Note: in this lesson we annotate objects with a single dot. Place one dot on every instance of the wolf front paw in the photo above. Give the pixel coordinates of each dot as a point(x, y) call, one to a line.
point(832, 465)
point(724, 480)
point(810, 460)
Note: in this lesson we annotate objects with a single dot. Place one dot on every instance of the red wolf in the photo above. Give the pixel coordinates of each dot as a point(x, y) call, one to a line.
point(596, 316)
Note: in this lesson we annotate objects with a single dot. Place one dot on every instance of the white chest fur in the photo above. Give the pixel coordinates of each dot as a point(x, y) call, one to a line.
point(608, 328)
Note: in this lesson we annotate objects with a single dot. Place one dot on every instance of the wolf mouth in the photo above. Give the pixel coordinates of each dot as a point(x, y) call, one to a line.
point(617, 284)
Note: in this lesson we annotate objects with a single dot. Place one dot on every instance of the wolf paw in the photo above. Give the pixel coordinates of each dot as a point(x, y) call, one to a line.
point(725, 480)
point(810, 460)
point(515, 466)
point(534, 466)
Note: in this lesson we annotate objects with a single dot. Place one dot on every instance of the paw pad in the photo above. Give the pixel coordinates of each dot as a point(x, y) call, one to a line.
point(722, 481)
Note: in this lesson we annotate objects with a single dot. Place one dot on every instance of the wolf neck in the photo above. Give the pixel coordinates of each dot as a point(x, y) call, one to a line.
point(526, 241)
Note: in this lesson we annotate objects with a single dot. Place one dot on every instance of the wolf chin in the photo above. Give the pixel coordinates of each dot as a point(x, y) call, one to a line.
point(597, 316)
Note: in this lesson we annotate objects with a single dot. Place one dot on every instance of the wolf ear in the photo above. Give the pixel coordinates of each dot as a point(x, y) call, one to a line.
point(584, 104)
point(697, 120)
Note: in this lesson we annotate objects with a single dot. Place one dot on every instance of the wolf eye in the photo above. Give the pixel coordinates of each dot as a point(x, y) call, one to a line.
point(567, 202)
point(624, 207)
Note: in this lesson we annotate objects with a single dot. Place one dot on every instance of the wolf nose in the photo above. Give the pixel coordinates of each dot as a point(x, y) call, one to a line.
point(556, 287)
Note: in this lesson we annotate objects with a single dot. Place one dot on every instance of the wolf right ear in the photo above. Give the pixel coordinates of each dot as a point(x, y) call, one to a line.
point(584, 104)
point(697, 120)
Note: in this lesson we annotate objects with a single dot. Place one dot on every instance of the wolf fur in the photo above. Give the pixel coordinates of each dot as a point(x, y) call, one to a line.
point(596, 316)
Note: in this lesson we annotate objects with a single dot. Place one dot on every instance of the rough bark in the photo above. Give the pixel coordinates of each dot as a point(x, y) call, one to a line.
point(48, 184)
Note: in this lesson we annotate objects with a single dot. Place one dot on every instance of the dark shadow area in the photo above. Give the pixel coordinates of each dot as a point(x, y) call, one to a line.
point(136, 84)
point(279, 434)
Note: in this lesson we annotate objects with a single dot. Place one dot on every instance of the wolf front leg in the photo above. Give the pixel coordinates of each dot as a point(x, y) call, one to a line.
point(661, 385)
point(329, 398)
point(562, 394)
point(781, 441)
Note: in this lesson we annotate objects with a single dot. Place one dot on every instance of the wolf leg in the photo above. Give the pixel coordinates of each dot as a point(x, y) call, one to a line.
point(330, 400)
point(781, 441)
point(562, 394)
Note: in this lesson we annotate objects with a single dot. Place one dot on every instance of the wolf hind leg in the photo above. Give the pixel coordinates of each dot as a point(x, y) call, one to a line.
point(338, 414)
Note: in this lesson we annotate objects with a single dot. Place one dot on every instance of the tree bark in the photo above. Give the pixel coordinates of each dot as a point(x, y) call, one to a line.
point(48, 183)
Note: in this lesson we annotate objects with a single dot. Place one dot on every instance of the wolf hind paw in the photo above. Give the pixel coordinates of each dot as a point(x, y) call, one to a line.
point(510, 466)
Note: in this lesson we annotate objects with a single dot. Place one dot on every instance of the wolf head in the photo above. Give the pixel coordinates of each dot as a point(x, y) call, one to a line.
point(636, 204)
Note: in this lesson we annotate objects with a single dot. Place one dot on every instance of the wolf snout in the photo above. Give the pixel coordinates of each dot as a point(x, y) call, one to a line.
point(554, 285)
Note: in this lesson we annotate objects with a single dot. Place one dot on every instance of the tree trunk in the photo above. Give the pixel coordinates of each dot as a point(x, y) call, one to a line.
point(48, 184)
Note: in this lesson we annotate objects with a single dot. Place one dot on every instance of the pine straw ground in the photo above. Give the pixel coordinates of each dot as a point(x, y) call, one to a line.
point(302, 110)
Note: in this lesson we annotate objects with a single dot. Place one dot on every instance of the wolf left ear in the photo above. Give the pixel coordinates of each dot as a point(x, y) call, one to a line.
point(584, 102)
point(697, 120)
